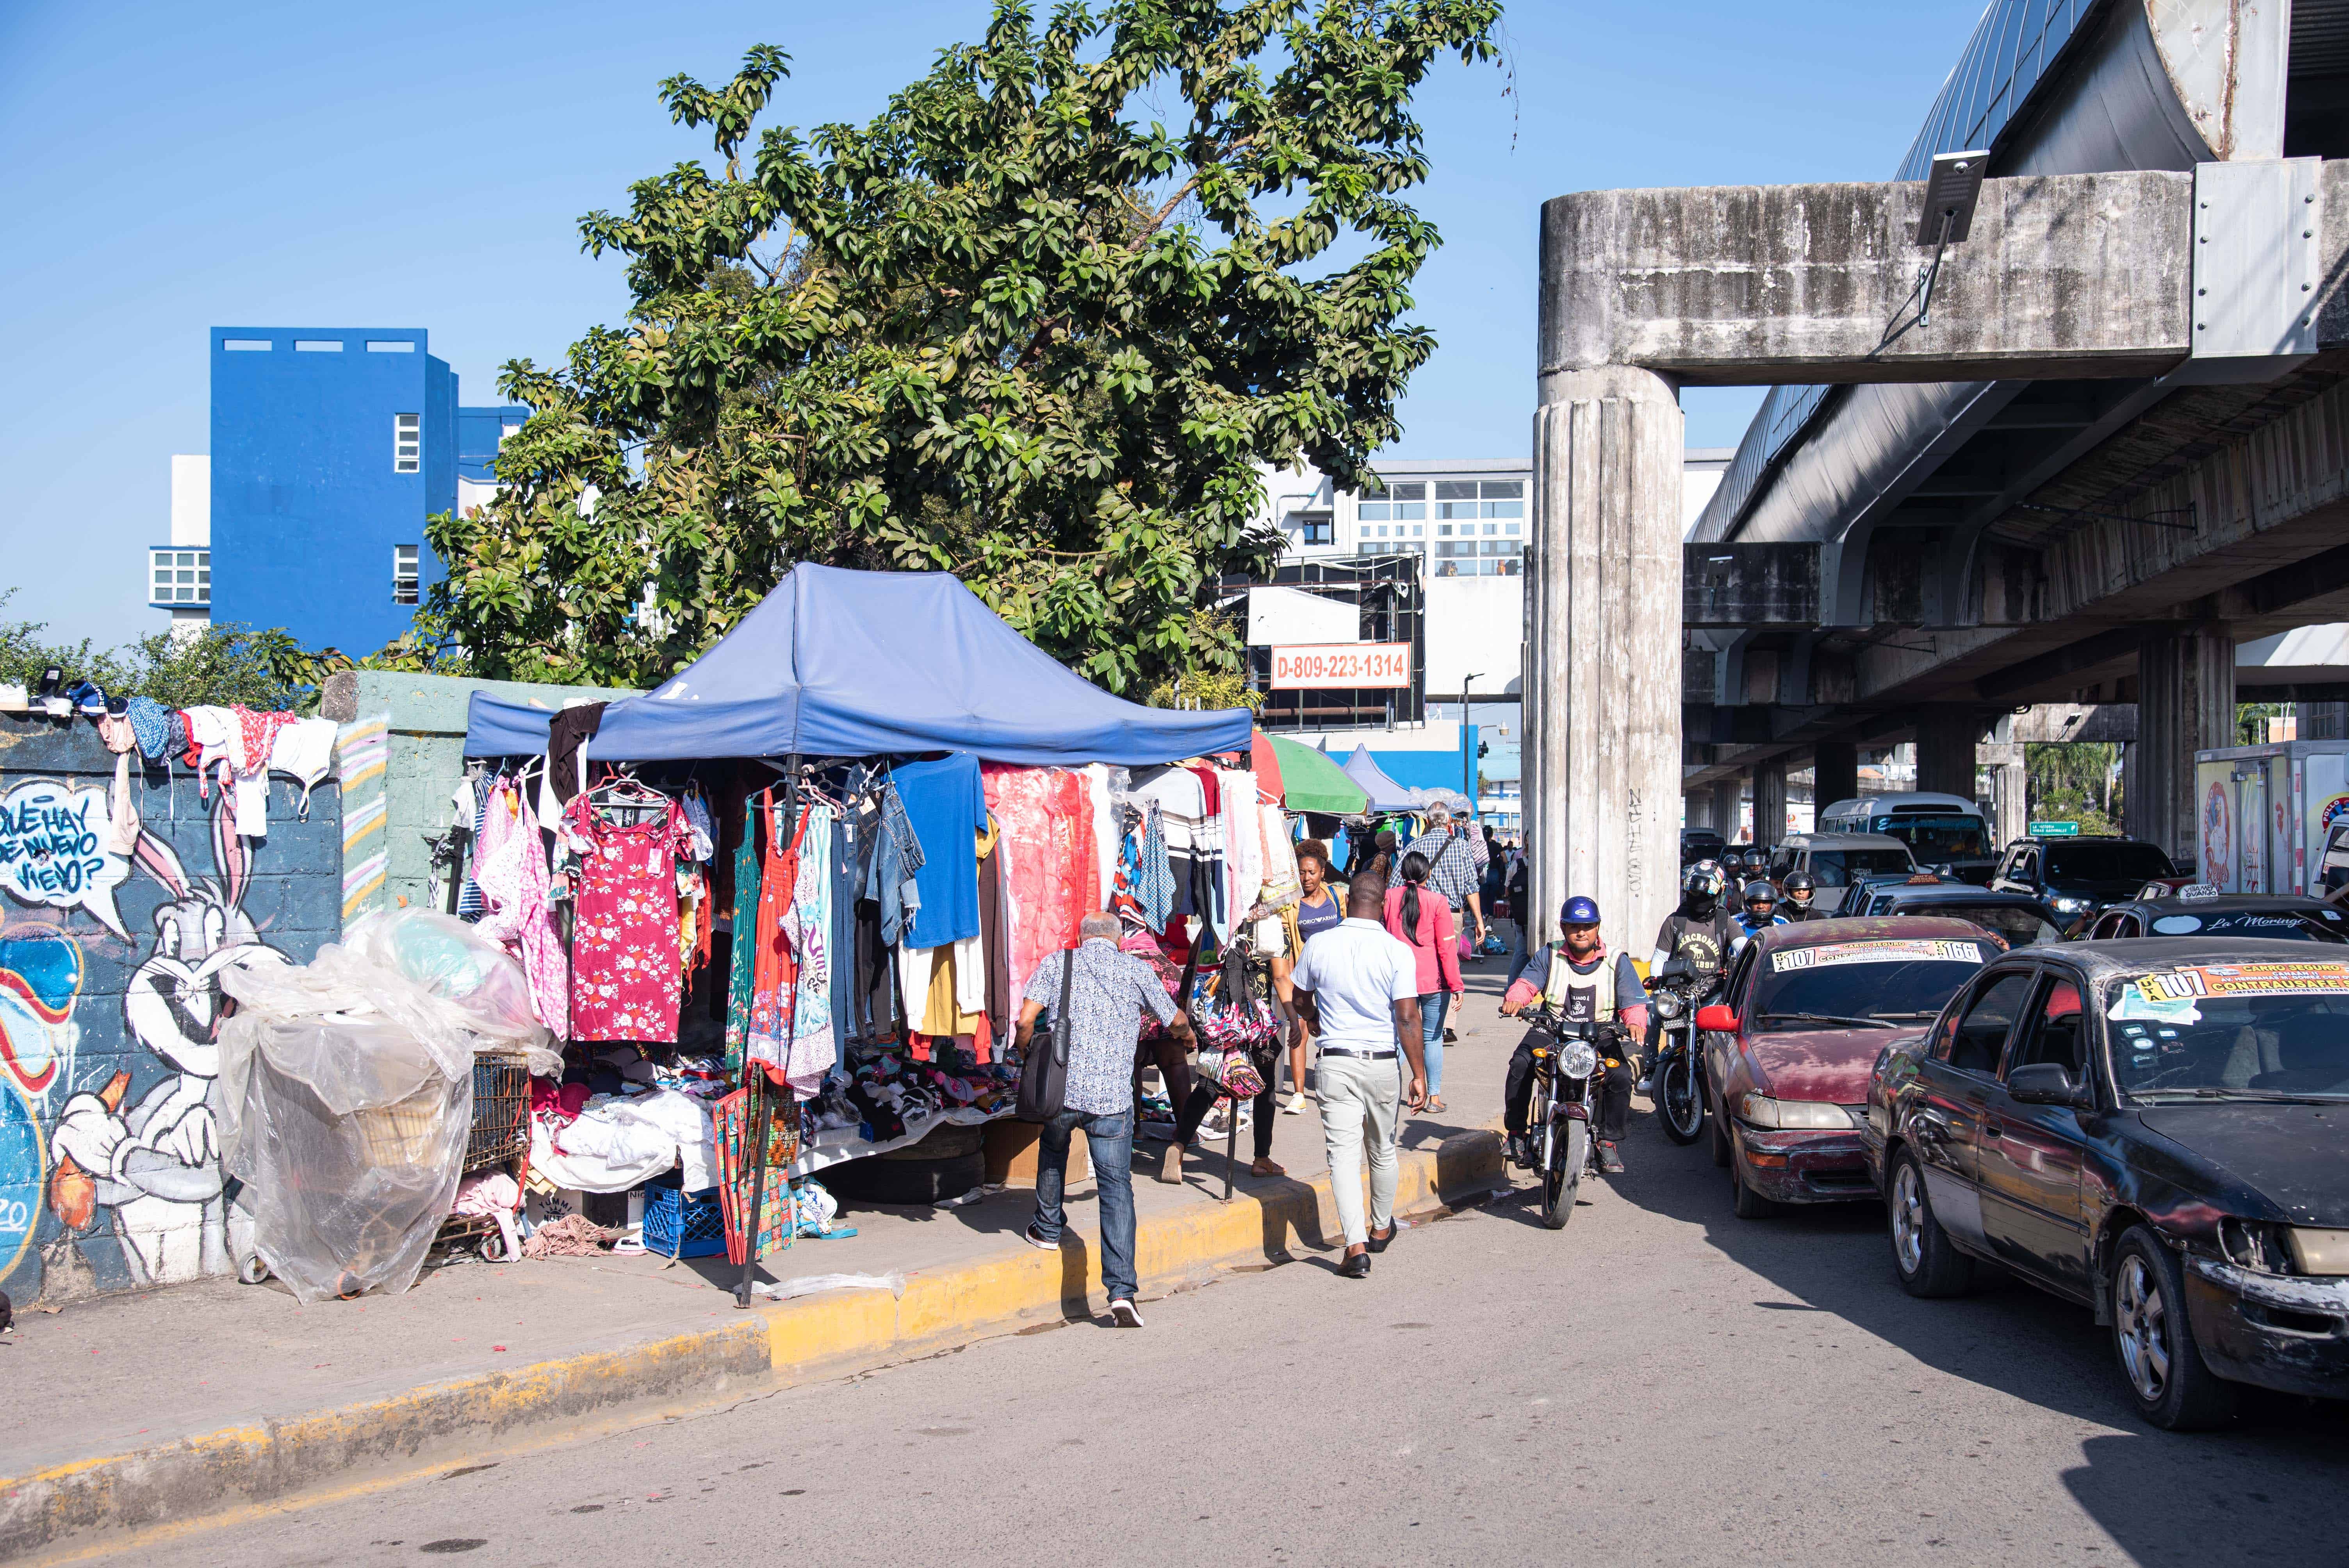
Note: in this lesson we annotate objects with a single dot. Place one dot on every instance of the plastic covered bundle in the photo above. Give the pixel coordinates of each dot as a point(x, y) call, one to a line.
point(347, 1095)
point(349, 1141)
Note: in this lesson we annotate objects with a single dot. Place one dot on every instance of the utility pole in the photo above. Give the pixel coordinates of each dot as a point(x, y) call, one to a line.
point(1468, 752)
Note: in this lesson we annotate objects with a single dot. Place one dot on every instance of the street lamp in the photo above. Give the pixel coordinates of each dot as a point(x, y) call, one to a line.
point(1467, 756)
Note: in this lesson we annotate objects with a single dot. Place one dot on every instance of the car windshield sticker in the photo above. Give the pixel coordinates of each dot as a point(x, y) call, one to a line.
point(2171, 997)
point(1892, 950)
point(2178, 924)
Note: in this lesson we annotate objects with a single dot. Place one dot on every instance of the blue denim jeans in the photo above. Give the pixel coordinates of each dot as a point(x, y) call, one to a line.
point(1432, 1008)
point(1110, 1140)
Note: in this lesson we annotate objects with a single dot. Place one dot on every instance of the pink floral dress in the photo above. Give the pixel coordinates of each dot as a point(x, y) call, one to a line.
point(626, 973)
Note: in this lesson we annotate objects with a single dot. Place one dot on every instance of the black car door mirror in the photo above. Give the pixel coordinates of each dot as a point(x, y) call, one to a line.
point(2045, 1083)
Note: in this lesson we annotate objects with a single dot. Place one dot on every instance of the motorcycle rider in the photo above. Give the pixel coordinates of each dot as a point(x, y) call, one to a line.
point(1574, 978)
point(1761, 911)
point(1801, 889)
point(1699, 932)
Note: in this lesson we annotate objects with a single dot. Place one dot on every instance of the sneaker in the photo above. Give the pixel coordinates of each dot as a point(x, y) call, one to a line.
point(1031, 1236)
point(1123, 1315)
point(1296, 1105)
point(1521, 1152)
point(1611, 1163)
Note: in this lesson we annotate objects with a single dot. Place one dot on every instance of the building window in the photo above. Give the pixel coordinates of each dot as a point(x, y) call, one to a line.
point(407, 443)
point(1502, 497)
point(403, 574)
point(179, 577)
point(1372, 511)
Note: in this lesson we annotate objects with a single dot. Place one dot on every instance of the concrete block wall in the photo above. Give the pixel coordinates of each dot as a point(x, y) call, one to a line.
point(110, 1173)
point(422, 739)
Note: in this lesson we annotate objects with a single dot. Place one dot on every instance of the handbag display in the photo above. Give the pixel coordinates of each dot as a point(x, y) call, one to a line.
point(1239, 1076)
point(1044, 1076)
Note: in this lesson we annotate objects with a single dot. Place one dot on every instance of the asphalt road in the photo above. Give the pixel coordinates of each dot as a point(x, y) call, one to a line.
point(1658, 1383)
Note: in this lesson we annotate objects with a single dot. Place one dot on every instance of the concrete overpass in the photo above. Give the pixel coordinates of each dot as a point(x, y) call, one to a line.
point(2116, 445)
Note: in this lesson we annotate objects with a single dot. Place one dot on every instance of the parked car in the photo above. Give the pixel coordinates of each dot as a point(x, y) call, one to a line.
point(1940, 829)
point(2016, 919)
point(1836, 860)
point(1804, 1014)
point(2079, 876)
point(2155, 1128)
point(2203, 913)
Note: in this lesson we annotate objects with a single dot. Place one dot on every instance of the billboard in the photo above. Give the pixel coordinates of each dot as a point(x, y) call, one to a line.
point(1319, 666)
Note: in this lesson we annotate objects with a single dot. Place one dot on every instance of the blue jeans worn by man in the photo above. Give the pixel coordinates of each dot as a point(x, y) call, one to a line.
point(1110, 1140)
point(1104, 994)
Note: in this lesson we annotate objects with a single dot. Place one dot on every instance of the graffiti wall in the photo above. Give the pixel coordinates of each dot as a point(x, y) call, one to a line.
point(121, 903)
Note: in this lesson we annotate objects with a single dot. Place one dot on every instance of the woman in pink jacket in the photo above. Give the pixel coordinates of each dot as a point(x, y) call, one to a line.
point(1423, 922)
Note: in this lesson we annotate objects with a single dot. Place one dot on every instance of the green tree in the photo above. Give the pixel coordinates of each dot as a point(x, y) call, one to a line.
point(218, 664)
point(2075, 782)
point(1008, 329)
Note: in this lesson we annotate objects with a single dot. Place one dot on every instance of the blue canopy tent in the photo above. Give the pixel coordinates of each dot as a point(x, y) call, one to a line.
point(1385, 794)
point(866, 664)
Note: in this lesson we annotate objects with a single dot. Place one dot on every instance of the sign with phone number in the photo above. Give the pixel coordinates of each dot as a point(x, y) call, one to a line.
point(1320, 665)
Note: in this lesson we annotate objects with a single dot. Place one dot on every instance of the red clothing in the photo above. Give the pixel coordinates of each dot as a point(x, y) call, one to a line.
point(626, 976)
point(1435, 944)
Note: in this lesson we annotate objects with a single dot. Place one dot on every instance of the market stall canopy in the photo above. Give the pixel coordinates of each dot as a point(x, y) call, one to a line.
point(1385, 794)
point(865, 664)
point(1310, 782)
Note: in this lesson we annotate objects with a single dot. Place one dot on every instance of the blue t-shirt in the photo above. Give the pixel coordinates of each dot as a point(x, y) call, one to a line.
point(947, 805)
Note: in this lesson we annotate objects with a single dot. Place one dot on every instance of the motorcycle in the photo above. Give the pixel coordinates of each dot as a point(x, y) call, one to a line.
point(1675, 992)
point(1559, 1114)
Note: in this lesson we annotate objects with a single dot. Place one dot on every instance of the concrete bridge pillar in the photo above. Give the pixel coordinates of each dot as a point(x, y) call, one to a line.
point(1834, 773)
point(1725, 796)
point(1603, 626)
point(1946, 738)
point(2185, 703)
point(1770, 801)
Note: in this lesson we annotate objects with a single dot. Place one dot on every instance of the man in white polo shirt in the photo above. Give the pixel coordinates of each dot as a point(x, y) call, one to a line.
point(1357, 989)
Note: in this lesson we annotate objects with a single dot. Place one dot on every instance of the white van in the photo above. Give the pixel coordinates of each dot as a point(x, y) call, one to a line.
point(1940, 829)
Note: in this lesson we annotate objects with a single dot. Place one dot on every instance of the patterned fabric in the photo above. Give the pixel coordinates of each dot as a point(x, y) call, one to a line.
point(1049, 872)
point(515, 888)
point(1154, 883)
point(469, 894)
point(626, 976)
point(1108, 993)
point(150, 722)
point(1451, 867)
point(775, 976)
point(259, 730)
point(742, 971)
point(802, 1043)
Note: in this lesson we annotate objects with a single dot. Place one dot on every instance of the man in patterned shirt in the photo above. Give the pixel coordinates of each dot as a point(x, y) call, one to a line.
point(1455, 865)
point(1108, 993)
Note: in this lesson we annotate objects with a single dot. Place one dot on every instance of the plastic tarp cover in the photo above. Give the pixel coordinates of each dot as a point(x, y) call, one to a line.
point(1385, 794)
point(1311, 782)
point(836, 662)
point(347, 1095)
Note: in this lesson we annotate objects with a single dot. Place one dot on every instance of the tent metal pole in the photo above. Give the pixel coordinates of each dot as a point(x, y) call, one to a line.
point(755, 1076)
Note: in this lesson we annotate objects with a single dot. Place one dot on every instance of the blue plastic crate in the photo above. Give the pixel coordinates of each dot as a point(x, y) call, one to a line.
point(681, 1224)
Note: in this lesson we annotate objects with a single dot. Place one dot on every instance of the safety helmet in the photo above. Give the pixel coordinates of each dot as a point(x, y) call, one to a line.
point(1580, 911)
point(1760, 891)
point(1703, 878)
point(1800, 881)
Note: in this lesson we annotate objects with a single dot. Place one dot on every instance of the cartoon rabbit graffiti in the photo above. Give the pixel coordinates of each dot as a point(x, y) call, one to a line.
point(153, 1167)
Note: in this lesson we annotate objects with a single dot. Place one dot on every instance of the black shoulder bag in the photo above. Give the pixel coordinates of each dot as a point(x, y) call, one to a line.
point(1044, 1076)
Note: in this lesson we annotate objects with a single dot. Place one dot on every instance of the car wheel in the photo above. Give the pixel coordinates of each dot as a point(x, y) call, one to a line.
point(1721, 1150)
point(2173, 1388)
point(1927, 1261)
point(1744, 1200)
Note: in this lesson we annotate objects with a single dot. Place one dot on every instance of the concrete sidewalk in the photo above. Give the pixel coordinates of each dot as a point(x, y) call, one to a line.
point(158, 1408)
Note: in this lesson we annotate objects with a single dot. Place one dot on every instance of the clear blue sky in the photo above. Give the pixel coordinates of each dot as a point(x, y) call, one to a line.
point(166, 167)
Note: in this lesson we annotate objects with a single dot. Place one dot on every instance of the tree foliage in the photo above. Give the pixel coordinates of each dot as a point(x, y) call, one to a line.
point(219, 664)
point(2074, 781)
point(1009, 329)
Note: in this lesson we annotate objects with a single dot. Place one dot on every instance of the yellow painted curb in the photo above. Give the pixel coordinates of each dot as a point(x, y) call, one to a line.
point(171, 1483)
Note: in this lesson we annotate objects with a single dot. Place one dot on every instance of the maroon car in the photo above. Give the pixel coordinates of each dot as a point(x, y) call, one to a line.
point(1789, 1046)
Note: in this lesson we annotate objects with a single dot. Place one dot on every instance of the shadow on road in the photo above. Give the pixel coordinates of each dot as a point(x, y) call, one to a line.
point(2155, 1492)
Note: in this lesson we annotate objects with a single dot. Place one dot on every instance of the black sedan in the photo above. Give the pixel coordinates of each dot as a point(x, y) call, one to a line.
point(2017, 919)
point(2156, 1128)
point(2282, 916)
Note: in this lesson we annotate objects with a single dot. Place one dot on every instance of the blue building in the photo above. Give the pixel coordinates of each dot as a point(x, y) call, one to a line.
point(330, 448)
